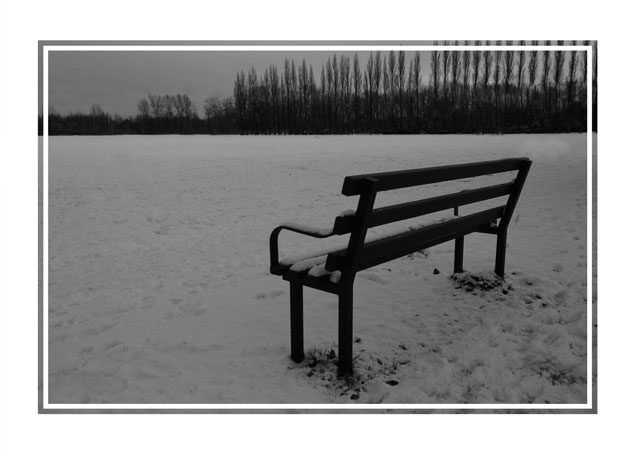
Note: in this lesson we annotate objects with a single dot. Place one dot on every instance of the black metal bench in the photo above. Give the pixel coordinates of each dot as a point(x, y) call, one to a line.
point(334, 271)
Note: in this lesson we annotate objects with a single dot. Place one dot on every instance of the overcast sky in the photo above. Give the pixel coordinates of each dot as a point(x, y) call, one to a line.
point(117, 80)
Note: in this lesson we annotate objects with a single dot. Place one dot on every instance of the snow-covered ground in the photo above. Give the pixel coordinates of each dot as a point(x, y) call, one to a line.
point(159, 290)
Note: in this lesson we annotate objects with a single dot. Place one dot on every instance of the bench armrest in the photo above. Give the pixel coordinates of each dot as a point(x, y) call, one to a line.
point(298, 228)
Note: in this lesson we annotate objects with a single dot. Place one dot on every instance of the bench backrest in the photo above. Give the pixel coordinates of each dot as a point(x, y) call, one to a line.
point(359, 255)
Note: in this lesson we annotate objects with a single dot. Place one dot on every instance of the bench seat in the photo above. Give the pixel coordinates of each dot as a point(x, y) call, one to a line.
point(312, 268)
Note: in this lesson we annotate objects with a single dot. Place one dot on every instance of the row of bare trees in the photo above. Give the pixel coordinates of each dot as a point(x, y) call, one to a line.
point(506, 90)
point(157, 114)
point(97, 122)
point(167, 113)
point(479, 91)
point(490, 91)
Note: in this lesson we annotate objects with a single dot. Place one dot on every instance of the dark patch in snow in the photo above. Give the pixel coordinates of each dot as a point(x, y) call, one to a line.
point(418, 255)
point(321, 366)
point(551, 368)
point(484, 281)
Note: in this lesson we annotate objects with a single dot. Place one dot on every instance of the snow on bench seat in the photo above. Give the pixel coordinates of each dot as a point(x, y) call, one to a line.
point(313, 264)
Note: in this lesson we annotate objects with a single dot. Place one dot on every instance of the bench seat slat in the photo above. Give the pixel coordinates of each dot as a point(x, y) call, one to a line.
point(408, 210)
point(413, 177)
point(405, 243)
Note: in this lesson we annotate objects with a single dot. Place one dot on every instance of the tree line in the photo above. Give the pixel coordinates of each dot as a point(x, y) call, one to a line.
point(157, 114)
point(488, 91)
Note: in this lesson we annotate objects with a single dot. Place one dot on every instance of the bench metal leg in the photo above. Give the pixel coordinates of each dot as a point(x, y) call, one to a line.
point(297, 329)
point(458, 255)
point(501, 251)
point(345, 332)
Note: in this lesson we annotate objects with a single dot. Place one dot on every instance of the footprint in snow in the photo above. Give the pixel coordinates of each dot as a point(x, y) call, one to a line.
point(271, 295)
point(374, 278)
point(192, 309)
point(184, 309)
point(561, 296)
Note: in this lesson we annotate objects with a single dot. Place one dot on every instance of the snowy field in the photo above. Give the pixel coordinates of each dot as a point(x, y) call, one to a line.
point(160, 292)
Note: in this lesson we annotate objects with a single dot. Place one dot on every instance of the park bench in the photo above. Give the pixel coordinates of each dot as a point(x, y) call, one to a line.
point(334, 270)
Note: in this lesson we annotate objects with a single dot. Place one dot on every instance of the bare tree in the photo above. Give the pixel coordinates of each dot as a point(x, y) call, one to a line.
point(487, 60)
point(323, 97)
point(357, 87)
point(520, 72)
point(212, 106)
point(455, 74)
point(498, 55)
point(583, 66)
point(508, 66)
point(168, 105)
point(532, 90)
point(417, 81)
point(144, 108)
point(446, 61)
point(466, 67)
point(390, 90)
point(557, 74)
point(252, 99)
point(533, 65)
point(485, 96)
point(571, 79)
point(368, 88)
point(336, 86)
point(313, 97)
point(98, 120)
point(213, 110)
point(386, 86)
point(377, 73)
point(435, 72)
point(157, 105)
point(96, 110)
point(475, 62)
point(401, 84)
point(265, 103)
point(497, 58)
point(305, 94)
point(240, 96)
point(274, 94)
point(546, 71)
point(184, 110)
point(294, 98)
point(330, 89)
point(345, 88)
